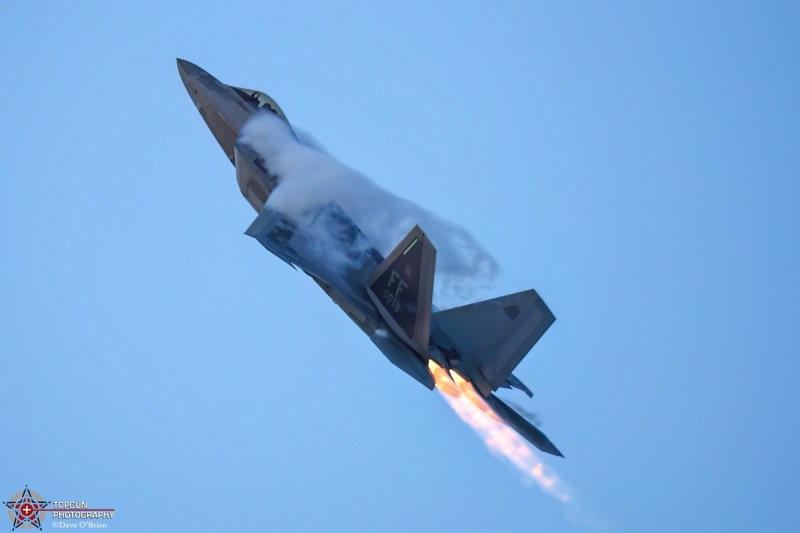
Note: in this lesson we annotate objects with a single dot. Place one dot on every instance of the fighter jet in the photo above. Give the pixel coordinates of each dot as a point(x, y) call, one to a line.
point(467, 351)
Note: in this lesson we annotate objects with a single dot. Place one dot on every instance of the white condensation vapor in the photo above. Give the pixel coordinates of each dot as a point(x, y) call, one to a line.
point(309, 178)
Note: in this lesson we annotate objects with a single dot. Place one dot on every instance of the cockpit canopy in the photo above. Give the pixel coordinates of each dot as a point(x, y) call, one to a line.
point(258, 100)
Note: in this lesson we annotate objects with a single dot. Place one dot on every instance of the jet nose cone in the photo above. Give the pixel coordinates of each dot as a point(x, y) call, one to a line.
point(186, 69)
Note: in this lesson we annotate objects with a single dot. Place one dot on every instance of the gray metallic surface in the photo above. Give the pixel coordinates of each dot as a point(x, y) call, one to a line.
point(513, 381)
point(402, 289)
point(224, 111)
point(345, 285)
point(295, 246)
point(493, 336)
point(402, 356)
point(252, 176)
point(531, 433)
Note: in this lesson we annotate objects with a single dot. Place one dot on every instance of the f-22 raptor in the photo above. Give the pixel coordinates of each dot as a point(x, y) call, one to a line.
point(467, 351)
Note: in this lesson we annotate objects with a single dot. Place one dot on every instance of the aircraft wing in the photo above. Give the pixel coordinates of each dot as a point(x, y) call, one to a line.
point(328, 247)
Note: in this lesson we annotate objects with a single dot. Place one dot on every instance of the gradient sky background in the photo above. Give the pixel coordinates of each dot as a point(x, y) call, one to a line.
point(638, 165)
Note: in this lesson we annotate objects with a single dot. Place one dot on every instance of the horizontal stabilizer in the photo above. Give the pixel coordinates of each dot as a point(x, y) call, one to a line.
point(522, 426)
point(402, 289)
point(515, 382)
point(493, 336)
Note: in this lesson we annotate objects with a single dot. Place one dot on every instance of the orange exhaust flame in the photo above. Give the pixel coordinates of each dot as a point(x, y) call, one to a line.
point(442, 380)
point(501, 440)
point(469, 392)
point(458, 387)
point(505, 442)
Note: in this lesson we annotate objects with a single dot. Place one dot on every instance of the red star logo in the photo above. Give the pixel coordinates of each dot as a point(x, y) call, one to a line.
point(26, 509)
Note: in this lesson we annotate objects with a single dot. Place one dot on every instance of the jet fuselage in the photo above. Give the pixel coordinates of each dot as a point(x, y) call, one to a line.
point(478, 344)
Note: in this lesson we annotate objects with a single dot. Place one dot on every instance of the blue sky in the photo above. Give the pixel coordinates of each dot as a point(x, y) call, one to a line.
point(637, 164)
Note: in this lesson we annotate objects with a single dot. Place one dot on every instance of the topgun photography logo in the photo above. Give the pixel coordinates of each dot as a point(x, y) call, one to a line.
point(27, 510)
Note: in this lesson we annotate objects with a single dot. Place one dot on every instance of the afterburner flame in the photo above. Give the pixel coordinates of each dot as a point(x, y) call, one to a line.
point(468, 391)
point(501, 440)
point(505, 442)
point(458, 387)
point(442, 380)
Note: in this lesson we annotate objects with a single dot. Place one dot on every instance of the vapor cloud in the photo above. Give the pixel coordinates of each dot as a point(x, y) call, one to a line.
point(309, 179)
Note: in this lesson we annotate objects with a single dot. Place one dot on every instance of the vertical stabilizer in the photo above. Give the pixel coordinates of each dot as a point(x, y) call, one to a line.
point(402, 289)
